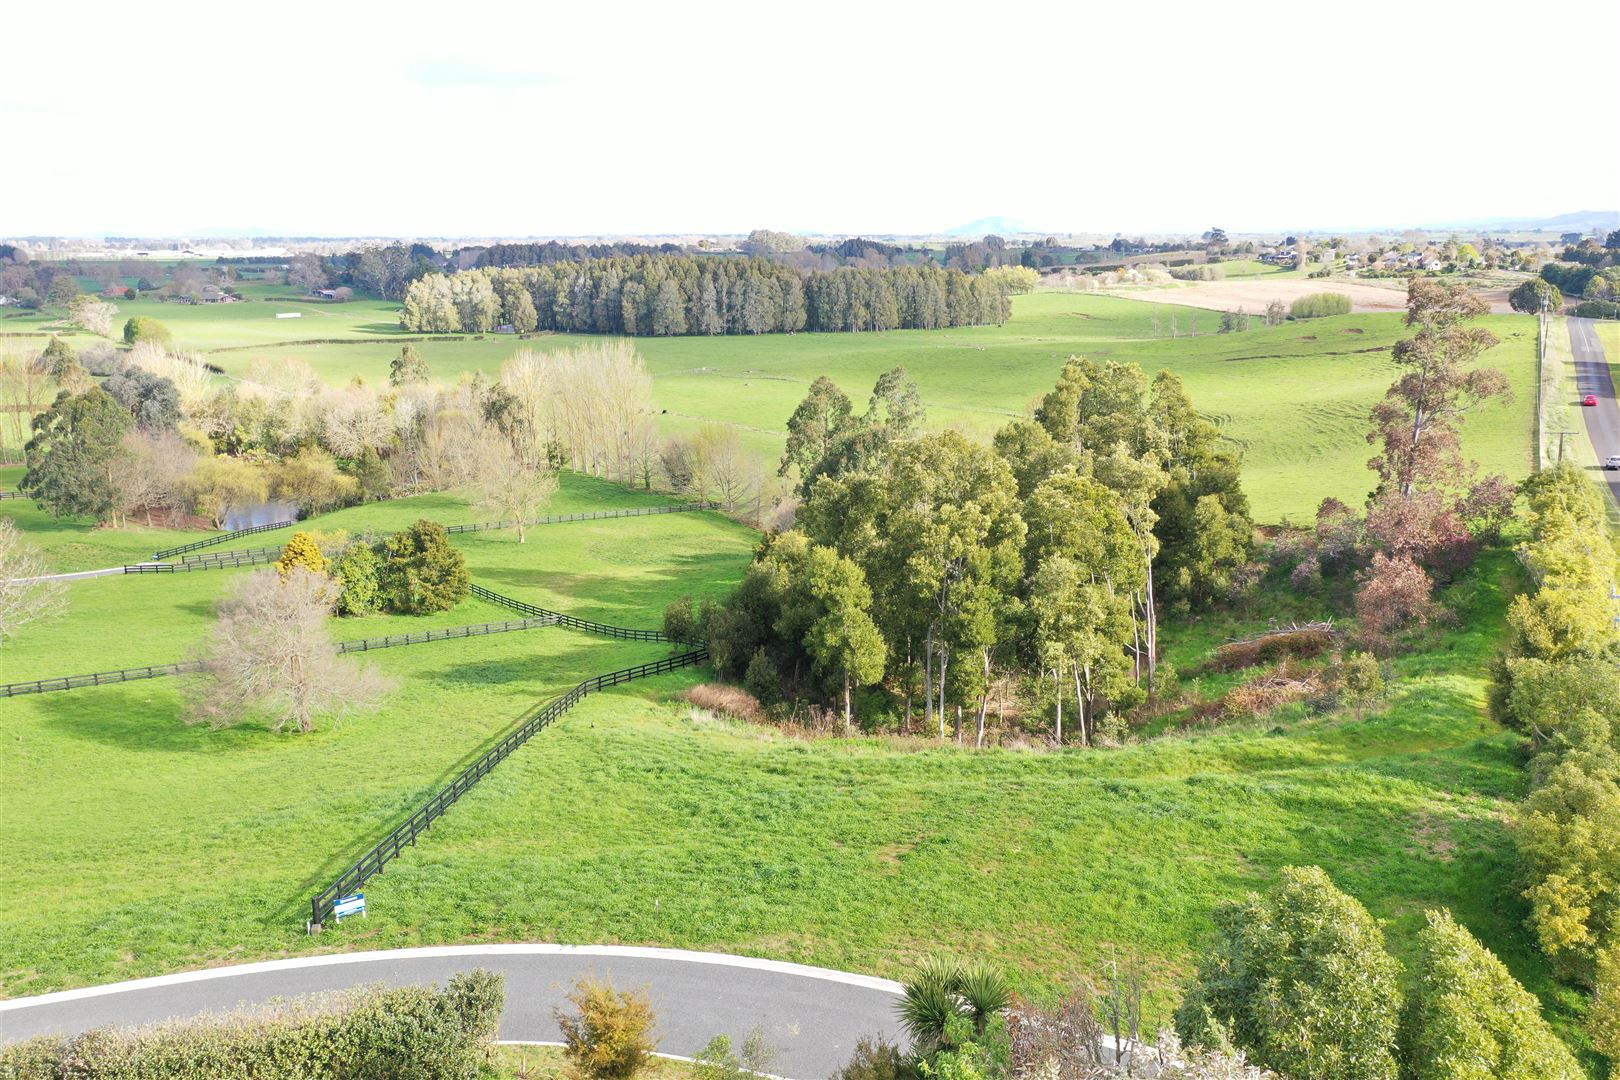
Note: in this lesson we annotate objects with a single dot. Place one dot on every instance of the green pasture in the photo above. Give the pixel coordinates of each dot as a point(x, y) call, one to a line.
point(253, 322)
point(1294, 399)
point(633, 822)
point(138, 845)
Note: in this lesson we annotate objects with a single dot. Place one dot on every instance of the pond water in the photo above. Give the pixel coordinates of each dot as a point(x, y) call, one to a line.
point(263, 513)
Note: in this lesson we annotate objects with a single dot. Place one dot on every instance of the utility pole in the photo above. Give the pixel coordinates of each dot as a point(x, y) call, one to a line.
point(1561, 435)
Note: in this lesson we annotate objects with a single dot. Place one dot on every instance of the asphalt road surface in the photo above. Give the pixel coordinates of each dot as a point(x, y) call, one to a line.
point(811, 1016)
point(1594, 376)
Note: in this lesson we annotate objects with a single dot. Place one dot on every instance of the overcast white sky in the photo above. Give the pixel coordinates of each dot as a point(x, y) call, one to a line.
point(470, 118)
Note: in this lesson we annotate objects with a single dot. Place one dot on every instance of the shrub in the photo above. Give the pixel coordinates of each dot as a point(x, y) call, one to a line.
point(358, 573)
point(422, 572)
point(412, 1032)
point(145, 328)
point(301, 550)
point(681, 620)
point(1301, 981)
point(611, 1038)
point(478, 998)
point(718, 1061)
point(1598, 309)
point(1468, 1019)
point(875, 1058)
point(762, 679)
point(943, 994)
point(1318, 305)
point(1394, 596)
point(1531, 295)
point(1603, 1019)
point(1361, 678)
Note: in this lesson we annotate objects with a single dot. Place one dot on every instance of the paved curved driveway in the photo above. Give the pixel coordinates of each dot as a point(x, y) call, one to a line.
point(813, 1016)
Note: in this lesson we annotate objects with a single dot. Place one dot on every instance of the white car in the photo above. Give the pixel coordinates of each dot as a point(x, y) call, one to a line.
point(1613, 462)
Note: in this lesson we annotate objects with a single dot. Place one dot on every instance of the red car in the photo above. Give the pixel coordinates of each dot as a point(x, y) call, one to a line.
point(1589, 399)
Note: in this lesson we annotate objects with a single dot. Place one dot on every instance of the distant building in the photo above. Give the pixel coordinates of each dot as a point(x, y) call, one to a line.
point(117, 292)
point(326, 294)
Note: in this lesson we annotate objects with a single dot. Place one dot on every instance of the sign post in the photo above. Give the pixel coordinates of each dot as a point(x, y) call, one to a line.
point(354, 904)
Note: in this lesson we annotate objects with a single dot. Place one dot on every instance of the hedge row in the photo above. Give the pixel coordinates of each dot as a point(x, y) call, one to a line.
point(410, 1033)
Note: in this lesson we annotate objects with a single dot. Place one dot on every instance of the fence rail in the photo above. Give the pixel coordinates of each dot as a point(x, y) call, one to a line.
point(12, 495)
point(226, 556)
point(624, 633)
point(99, 678)
point(157, 671)
point(168, 553)
point(482, 526)
point(322, 904)
point(446, 634)
point(589, 515)
point(225, 560)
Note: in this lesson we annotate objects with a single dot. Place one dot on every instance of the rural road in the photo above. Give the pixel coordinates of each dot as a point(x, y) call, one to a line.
point(1594, 376)
point(812, 1016)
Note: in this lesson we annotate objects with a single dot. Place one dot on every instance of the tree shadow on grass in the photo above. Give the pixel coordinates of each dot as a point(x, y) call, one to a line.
point(128, 718)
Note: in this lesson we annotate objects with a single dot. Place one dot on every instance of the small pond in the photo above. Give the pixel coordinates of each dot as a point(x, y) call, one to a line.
point(264, 513)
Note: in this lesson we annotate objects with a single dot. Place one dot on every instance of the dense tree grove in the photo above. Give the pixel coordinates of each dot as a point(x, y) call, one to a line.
point(1561, 686)
point(672, 295)
point(1044, 558)
point(551, 251)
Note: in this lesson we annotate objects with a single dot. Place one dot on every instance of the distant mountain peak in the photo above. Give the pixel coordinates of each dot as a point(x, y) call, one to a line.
point(985, 226)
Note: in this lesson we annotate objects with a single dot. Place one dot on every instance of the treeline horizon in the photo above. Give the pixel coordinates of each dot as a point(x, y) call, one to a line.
point(661, 296)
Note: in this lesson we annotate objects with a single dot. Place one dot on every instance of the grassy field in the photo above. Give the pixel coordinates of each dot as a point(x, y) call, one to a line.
point(1294, 399)
point(138, 845)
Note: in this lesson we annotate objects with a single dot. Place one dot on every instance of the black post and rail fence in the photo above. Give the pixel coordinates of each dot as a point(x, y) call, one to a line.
point(169, 553)
point(157, 671)
point(606, 630)
point(589, 515)
point(482, 526)
point(323, 903)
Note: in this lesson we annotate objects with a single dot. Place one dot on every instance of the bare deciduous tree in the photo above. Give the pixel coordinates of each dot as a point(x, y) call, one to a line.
point(25, 392)
point(26, 594)
point(150, 473)
point(270, 655)
point(724, 467)
point(503, 486)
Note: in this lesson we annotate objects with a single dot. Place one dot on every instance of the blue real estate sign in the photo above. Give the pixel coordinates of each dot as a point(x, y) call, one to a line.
point(350, 905)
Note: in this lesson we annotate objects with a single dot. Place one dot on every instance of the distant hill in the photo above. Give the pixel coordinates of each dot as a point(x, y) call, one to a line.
point(1578, 221)
point(985, 226)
